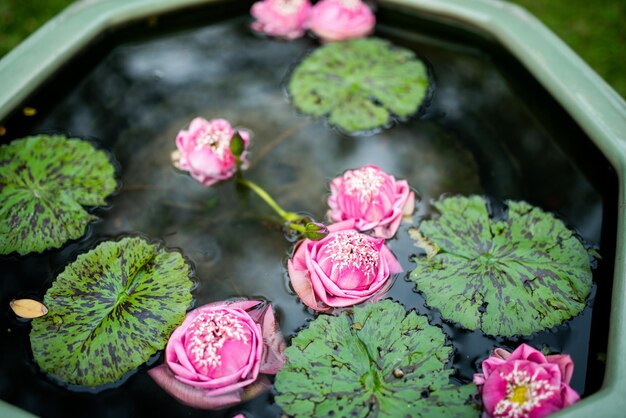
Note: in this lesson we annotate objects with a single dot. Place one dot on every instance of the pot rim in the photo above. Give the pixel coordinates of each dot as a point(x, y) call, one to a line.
point(596, 107)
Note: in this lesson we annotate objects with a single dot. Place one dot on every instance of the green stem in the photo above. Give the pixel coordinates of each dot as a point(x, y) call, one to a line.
point(287, 216)
point(296, 227)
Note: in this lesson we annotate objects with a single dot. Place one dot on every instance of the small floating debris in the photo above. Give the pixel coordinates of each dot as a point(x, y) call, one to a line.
point(29, 111)
point(28, 308)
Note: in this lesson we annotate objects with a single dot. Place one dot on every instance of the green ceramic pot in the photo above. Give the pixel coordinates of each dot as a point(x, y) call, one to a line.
point(595, 107)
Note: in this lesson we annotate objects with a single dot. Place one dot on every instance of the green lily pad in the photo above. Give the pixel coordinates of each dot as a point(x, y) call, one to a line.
point(376, 361)
point(109, 311)
point(517, 275)
point(360, 83)
point(44, 183)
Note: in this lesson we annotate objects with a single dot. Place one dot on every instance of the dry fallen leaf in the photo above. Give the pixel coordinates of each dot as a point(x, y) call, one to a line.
point(28, 308)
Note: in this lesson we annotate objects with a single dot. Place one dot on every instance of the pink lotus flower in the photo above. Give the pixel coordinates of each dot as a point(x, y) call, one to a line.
point(336, 20)
point(281, 18)
point(221, 353)
point(342, 269)
point(525, 383)
point(204, 150)
point(372, 198)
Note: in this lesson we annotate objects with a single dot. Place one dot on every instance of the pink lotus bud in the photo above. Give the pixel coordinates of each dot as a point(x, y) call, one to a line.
point(342, 269)
point(281, 18)
point(525, 383)
point(336, 20)
point(372, 198)
point(221, 353)
point(205, 150)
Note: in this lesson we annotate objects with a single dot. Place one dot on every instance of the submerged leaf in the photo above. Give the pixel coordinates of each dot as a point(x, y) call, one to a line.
point(518, 275)
point(430, 248)
point(359, 83)
point(44, 183)
point(390, 365)
point(28, 308)
point(110, 310)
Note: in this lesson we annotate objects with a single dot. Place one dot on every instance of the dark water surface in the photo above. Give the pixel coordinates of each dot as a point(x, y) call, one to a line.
point(489, 130)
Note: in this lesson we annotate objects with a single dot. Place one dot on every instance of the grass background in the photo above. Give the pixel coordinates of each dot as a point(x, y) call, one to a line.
point(596, 30)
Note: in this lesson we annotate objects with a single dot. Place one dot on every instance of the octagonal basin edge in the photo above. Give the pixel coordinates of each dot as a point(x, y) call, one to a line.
point(598, 109)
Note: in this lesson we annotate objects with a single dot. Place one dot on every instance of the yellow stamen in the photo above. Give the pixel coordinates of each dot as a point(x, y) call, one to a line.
point(519, 395)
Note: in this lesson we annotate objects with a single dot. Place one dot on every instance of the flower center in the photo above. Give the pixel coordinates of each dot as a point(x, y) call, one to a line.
point(518, 395)
point(524, 392)
point(208, 333)
point(219, 140)
point(352, 250)
point(364, 183)
point(351, 4)
point(288, 7)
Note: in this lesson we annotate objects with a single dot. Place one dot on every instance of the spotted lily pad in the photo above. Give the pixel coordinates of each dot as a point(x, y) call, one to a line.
point(109, 311)
point(44, 183)
point(376, 361)
point(360, 83)
point(520, 274)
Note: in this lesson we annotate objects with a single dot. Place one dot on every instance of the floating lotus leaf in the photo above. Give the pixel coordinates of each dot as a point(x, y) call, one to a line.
point(376, 361)
point(517, 275)
point(109, 311)
point(44, 183)
point(359, 83)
